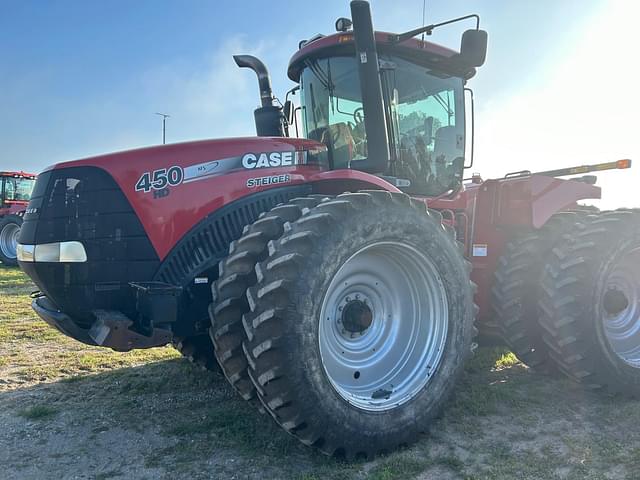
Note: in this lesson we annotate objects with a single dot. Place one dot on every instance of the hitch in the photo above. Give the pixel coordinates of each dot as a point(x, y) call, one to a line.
point(157, 306)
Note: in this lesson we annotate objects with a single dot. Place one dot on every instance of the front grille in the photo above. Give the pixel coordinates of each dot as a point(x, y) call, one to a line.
point(85, 204)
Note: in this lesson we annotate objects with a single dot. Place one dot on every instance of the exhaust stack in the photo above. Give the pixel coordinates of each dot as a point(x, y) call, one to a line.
point(269, 118)
point(369, 72)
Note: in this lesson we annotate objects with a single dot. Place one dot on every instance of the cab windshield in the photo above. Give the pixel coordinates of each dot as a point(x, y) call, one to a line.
point(17, 189)
point(425, 120)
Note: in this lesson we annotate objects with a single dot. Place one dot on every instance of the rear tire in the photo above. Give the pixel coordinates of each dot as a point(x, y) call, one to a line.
point(516, 288)
point(237, 274)
point(310, 388)
point(590, 309)
point(9, 232)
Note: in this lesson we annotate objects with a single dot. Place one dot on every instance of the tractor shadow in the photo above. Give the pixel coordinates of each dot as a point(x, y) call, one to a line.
point(148, 420)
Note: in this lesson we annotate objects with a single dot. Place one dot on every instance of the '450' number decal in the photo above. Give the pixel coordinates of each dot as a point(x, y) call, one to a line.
point(160, 179)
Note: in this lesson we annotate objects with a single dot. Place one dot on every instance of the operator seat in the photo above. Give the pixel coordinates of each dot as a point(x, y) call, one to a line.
point(445, 148)
point(341, 143)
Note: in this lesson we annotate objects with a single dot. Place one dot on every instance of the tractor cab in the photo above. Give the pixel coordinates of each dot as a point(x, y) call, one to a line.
point(15, 188)
point(409, 126)
point(424, 116)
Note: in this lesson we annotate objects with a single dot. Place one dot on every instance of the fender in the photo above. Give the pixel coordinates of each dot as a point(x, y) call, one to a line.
point(498, 208)
point(222, 226)
point(530, 201)
point(202, 247)
point(335, 182)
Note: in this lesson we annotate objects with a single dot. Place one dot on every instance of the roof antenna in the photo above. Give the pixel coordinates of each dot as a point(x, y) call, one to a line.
point(424, 8)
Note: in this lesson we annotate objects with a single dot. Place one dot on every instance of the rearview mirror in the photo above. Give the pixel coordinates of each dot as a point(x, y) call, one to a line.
point(473, 48)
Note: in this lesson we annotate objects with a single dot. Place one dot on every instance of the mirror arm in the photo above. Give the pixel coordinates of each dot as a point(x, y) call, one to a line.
point(292, 91)
point(295, 120)
point(398, 38)
point(467, 89)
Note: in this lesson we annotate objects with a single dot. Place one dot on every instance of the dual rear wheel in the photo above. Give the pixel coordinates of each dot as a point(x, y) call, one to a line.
point(590, 307)
point(356, 319)
point(567, 298)
point(517, 287)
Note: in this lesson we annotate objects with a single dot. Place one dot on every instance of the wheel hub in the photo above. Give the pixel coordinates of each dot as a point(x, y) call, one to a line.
point(356, 316)
point(615, 302)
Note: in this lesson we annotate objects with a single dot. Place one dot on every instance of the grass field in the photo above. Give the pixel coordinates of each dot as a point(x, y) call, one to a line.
point(72, 411)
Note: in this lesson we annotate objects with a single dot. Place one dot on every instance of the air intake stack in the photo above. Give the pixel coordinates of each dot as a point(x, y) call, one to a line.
point(268, 117)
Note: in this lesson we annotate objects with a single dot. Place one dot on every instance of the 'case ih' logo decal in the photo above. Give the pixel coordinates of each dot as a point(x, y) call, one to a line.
point(272, 159)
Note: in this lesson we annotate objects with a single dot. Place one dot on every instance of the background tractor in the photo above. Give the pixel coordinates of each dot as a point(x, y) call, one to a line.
point(336, 278)
point(15, 192)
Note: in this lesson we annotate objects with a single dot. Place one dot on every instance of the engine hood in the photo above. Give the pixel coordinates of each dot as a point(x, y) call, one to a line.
point(188, 153)
point(172, 187)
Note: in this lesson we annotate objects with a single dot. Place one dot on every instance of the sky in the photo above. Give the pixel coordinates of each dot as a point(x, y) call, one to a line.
point(83, 78)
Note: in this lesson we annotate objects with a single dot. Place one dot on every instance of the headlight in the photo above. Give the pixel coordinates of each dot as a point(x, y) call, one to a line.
point(59, 252)
point(25, 252)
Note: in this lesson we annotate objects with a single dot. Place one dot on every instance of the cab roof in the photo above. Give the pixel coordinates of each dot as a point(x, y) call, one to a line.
point(17, 174)
point(441, 60)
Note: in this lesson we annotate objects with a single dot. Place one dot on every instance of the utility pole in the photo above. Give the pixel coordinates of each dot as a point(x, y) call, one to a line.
point(164, 125)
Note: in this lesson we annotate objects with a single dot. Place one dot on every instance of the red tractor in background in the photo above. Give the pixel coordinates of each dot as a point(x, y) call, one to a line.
point(15, 192)
point(335, 279)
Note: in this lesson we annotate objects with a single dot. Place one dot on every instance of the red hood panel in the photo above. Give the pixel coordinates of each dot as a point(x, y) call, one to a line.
point(196, 178)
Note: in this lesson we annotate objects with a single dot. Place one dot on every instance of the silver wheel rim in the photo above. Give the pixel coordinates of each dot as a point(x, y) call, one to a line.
point(9, 240)
point(391, 352)
point(620, 305)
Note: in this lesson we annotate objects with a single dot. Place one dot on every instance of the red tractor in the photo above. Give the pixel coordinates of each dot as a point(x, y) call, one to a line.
point(15, 192)
point(336, 278)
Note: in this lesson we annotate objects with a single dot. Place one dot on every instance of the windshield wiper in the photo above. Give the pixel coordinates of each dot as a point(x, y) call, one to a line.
point(320, 74)
point(443, 104)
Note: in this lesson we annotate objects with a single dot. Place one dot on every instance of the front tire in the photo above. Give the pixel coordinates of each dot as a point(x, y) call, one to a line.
point(9, 232)
point(360, 323)
point(236, 275)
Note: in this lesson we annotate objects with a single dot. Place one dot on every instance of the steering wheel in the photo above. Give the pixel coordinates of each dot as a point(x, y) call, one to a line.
point(358, 115)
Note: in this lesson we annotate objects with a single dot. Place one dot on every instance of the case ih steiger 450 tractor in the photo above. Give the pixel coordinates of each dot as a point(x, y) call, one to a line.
point(15, 191)
point(336, 278)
